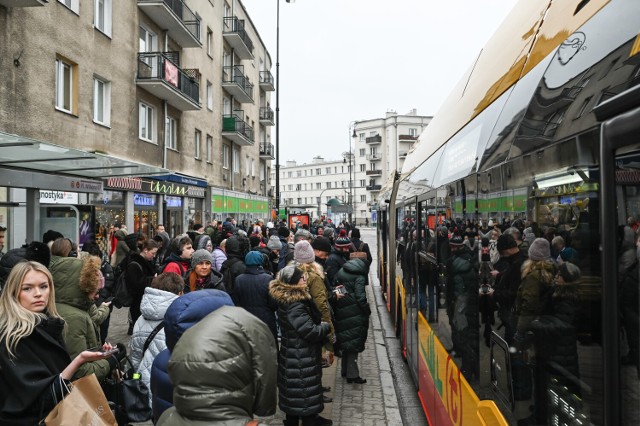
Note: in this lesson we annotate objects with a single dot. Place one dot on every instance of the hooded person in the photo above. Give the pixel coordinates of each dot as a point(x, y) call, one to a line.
point(224, 370)
point(338, 256)
point(122, 248)
point(251, 291)
point(300, 356)
point(183, 313)
point(202, 275)
point(234, 265)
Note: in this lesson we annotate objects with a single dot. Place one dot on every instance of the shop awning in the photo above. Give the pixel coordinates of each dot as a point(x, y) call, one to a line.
point(24, 153)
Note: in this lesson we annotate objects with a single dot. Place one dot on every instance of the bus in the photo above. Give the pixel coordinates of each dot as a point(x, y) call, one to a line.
point(541, 134)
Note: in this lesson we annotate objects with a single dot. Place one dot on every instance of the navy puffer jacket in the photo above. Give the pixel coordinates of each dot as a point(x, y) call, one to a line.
point(300, 355)
point(251, 291)
point(181, 315)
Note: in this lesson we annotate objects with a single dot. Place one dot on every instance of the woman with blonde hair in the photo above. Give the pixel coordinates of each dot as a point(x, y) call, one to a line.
point(34, 361)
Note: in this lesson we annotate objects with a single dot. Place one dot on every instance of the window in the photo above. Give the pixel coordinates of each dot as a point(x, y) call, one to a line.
point(225, 157)
point(363, 152)
point(361, 137)
point(197, 140)
point(208, 148)
point(363, 167)
point(172, 133)
point(263, 172)
point(298, 173)
point(328, 185)
point(209, 42)
point(318, 171)
point(147, 40)
point(298, 187)
point(247, 165)
point(290, 187)
point(253, 168)
point(209, 95)
point(236, 161)
point(101, 101)
point(102, 18)
point(318, 185)
point(413, 132)
point(328, 170)
point(72, 4)
point(65, 85)
point(146, 123)
point(363, 198)
point(289, 174)
point(363, 182)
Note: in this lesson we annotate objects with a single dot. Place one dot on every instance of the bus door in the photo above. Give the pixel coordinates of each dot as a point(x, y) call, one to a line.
point(620, 218)
point(409, 279)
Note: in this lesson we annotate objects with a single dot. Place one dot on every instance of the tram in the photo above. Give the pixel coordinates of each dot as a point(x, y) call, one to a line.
point(544, 128)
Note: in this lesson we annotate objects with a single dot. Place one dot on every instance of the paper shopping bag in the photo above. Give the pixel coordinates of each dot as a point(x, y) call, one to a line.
point(84, 405)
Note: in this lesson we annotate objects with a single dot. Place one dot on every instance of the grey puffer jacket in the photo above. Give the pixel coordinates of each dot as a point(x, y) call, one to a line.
point(153, 307)
point(223, 370)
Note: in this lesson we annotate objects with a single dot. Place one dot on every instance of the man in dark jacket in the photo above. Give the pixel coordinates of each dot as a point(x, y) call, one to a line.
point(181, 315)
point(508, 278)
point(251, 291)
point(462, 306)
point(285, 236)
point(338, 256)
point(234, 265)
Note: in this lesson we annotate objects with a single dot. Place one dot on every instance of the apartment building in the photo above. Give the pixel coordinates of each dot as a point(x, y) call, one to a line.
point(140, 112)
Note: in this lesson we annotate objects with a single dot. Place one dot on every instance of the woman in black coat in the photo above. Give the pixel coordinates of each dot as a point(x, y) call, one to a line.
point(138, 275)
point(300, 355)
point(34, 363)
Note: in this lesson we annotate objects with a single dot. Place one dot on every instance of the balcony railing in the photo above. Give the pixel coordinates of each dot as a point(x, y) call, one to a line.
point(373, 157)
point(266, 81)
point(266, 150)
point(374, 172)
point(266, 116)
point(174, 16)
point(161, 76)
point(373, 187)
point(407, 138)
point(237, 37)
point(237, 84)
point(374, 139)
point(236, 129)
point(23, 3)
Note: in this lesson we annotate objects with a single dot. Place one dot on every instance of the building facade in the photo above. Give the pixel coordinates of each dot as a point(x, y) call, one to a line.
point(140, 112)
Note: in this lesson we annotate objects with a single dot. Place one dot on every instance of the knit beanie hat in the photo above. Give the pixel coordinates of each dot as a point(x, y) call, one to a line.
point(456, 240)
point(342, 242)
point(201, 255)
point(303, 252)
point(290, 274)
point(321, 244)
point(51, 235)
point(302, 234)
point(284, 232)
point(38, 252)
point(329, 232)
point(505, 242)
point(569, 272)
point(274, 243)
point(253, 258)
point(539, 249)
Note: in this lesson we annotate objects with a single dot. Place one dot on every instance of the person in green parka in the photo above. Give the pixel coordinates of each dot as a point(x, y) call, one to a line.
point(352, 317)
point(77, 284)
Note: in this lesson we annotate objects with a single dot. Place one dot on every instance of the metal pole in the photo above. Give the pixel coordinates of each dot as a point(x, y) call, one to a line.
point(278, 109)
point(350, 180)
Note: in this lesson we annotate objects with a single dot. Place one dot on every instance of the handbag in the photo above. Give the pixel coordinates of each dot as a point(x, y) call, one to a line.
point(129, 394)
point(85, 404)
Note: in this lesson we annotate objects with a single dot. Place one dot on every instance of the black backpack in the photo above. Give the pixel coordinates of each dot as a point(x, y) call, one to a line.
point(122, 295)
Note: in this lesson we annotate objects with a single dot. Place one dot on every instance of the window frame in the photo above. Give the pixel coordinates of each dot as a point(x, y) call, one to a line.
point(208, 148)
point(209, 95)
point(105, 120)
point(72, 5)
point(107, 25)
point(65, 82)
point(235, 160)
point(197, 140)
point(172, 132)
point(226, 157)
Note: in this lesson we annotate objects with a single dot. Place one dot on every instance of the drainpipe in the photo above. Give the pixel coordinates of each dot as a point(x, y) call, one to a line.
point(165, 137)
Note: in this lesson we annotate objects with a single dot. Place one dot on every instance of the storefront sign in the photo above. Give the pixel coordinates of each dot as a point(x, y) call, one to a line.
point(58, 197)
point(185, 180)
point(155, 187)
point(144, 200)
point(173, 201)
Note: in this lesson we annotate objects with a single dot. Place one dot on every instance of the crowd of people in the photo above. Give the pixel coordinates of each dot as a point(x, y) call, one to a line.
point(257, 308)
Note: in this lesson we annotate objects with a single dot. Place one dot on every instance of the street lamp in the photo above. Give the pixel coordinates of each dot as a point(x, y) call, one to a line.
point(278, 107)
point(350, 154)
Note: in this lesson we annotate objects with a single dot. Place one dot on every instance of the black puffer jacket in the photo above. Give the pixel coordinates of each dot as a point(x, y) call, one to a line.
point(352, 311)
point(300, 355)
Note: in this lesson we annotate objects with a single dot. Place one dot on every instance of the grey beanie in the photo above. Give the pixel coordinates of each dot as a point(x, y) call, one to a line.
point(540, 249)
point(303, 253)
point(274, 243)
point(200, 256)
point(569, 272)
point(329, 233)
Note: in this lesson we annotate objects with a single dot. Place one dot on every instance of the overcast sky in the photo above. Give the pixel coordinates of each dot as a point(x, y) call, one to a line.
point(345, 60)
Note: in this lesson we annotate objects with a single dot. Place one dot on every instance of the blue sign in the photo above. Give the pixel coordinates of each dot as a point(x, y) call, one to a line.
point(374, 216)
point(185, 180)
point(173, 201)
point(144, 199)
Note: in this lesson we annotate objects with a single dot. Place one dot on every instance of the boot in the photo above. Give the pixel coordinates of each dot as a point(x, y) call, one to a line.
point(291, 421)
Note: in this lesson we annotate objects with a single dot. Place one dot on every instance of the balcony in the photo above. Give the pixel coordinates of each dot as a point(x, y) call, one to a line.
point(373, 187)
point(237, 84)
point(266, 81)
point(407, 138)
point(236, 130)
point(374, 139)
point(267, 151)
point(374, 172)
point(374, 157)
point(234, 33)
point(266, 116)
point(174, 16)
point(23, 3)
point(159, 75)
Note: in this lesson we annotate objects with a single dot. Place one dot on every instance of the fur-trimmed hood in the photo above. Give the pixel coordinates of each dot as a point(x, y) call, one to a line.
point(74, 278)
point(286, 294)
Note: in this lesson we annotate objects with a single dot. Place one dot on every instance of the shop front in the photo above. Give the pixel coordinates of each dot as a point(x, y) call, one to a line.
point(245, 208)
